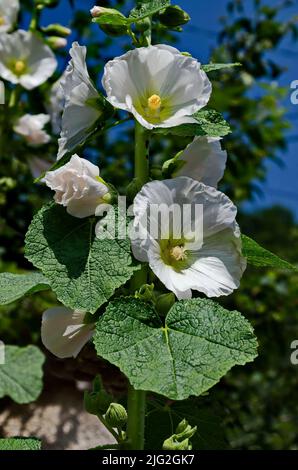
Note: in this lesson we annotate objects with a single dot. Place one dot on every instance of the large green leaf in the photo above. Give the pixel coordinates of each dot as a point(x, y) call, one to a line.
point(21, 373)
point(83, 270)
point(211, 67)
point(209, 122)
point(145, 9)
point(20, 443)
point(162, 419)
point(15, 286)
point(199, 343)
point(260, 257)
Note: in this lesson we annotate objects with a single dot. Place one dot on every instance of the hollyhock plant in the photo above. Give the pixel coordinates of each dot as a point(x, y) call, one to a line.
point(25, 59)
point(78, 187)
point(31, 127)
point(81, 109)
point(203, 160)
point(8, 14)
point(63, 331)
point(158, 85)
point(213, 266)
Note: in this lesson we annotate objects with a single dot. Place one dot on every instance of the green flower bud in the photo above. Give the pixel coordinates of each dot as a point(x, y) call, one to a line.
point(182, 426)
point(145, 293)
point(56, 29)
point(56, 42)
point(173, 16)
point(116, 415)
point(97, 401)
point(172, 444)
point(164, 302)
point(111, 21)
point(133, 188)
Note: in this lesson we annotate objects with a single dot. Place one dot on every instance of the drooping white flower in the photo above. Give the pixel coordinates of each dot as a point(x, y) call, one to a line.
point(201, 252)
point(80, 112)
point(203, 160)
point(8, 14)
point(158, 85)
point(78, 187)
point(25, 59)
point(30, 126)
point(63, 331)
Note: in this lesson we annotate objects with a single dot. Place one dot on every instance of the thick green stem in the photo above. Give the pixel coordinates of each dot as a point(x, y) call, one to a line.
point(137, 398)
point(136, 404)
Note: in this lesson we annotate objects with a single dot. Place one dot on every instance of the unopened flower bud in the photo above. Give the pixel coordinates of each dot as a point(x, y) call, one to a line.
point(145, 292)
point(56, 42)
point(172, 444)
point(164, 302)
point(173, 16)
point(116, 415)
point(57, 29)
point(111, 21)
point(182, 426)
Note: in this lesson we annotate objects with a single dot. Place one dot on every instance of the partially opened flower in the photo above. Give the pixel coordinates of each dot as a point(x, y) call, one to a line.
point(63, 331)
point(25, 59)
point(158, 85)
point(8, 14)
point(78, 187)
point(203, 160)
point(200, 249)
point(81, 110)
point(31, 127)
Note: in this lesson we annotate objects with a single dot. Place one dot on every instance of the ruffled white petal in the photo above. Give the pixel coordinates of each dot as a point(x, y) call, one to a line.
point(204, 160)
point(78, 117)
point(63, 331)
point(31, 128)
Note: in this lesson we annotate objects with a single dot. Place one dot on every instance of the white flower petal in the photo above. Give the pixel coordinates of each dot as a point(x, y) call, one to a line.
point(63, 331)
point(77, 187)
point(39, 61)
point(204, 160)
point(31, 128)
point(215, 264)
point(179, 81)
point(8, 14)
point(78, 117)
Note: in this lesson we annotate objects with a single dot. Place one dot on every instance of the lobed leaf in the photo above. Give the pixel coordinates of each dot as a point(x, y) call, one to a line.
point(199, 343)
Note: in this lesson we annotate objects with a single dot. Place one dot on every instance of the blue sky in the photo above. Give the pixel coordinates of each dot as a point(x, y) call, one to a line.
point(199, 38)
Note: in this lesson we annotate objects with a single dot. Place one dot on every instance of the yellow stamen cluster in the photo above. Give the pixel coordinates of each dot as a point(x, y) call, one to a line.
point(154, 103)
point(2, 21)
point(19, 67)
point(178, 253)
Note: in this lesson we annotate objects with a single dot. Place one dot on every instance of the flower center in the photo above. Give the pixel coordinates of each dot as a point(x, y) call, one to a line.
point(154, 103)
point(2, 21)
point(19, 67)
point(178, 253)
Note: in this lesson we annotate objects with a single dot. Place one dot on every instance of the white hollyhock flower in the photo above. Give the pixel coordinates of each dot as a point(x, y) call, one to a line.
point(158, 85)
point(25, 59)
point(63, 331)
point(80, 112)
point(203, 160)
point(78, 187)
point(8, 14)
point(209, 262)
point(31, 128)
